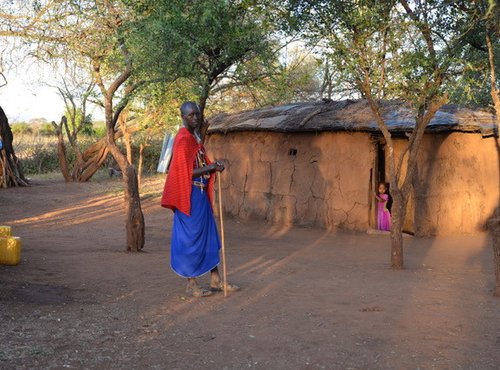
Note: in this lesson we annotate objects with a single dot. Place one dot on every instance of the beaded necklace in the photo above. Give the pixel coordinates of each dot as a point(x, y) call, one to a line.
point(200, 160)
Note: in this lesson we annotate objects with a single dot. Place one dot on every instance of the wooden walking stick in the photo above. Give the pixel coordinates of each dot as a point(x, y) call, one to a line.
point(223, 250)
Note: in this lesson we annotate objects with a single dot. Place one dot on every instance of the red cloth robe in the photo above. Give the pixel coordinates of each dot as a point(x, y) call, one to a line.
point(177, 189)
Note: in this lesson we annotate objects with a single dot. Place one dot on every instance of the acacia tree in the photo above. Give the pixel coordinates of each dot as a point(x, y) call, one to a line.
point(391, 50)
point(214, 41)
point(39, 29)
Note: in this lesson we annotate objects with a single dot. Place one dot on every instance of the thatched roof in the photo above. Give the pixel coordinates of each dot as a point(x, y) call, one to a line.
point(350, 115)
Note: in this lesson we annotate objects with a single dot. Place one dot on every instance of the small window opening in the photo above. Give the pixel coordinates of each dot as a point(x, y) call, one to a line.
point(292, 152)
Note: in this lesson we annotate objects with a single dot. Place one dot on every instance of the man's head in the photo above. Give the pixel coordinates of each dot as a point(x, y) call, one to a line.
point(191, 115)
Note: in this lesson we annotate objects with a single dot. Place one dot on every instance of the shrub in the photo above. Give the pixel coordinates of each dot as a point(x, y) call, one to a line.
point(38, 153)
point(21, 128)
point(151, 156)
point(47, 129)
point(99, 131)
point(43, 159)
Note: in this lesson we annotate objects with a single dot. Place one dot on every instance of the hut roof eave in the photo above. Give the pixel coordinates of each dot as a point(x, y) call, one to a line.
point(350, 116)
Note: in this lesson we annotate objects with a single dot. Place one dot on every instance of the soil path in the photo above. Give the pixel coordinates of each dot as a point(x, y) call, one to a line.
point(310, 299)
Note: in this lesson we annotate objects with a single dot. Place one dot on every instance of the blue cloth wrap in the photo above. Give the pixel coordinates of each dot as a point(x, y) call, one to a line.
point(195, 244)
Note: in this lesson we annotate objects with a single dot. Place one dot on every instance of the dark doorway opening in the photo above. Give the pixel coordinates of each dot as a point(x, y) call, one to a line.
point(377, 175)
point(380, 165)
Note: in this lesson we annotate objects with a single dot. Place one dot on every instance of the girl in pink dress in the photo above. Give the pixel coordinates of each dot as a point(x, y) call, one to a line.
point(383, 214)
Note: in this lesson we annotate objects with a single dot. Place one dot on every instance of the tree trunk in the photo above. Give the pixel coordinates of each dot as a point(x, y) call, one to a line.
point(135, 217)
point(61, 152)
point(13, 170)
point(122, 121)
point(90, 167)
point(398, 214)
point(95, 156)
point(141, 159)
point(134, 222)
point(79, 161)
point(494, 228)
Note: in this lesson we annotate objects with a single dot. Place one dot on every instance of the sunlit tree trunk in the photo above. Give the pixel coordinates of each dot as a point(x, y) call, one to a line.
point(134, 222)
point(141, 160)
point(398, 215)
point(61, 151)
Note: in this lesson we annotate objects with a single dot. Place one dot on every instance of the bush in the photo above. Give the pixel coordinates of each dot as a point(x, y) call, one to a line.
point(47, 129)
point(42, 159)
point(99, 131)
point(151, 156)
point(38, 153)
point(21, 128)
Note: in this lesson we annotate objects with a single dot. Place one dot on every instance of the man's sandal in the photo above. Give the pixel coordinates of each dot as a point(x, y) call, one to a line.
point(220, 287)
point(198, 292)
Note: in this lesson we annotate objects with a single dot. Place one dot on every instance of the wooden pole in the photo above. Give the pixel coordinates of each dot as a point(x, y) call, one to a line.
point(223, 250)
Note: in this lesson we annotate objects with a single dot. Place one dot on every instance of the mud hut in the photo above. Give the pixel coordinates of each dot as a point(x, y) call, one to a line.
point(318, 164)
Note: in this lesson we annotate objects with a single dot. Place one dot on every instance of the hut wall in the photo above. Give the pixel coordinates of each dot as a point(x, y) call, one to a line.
point(304, 179)
point(326, 183)
point(456, 187)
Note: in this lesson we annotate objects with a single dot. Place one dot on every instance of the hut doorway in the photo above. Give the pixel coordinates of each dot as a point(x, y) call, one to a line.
point(377, 175)
point(380, 164)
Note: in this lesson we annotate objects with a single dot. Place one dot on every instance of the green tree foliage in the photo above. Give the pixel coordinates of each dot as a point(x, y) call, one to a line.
point(296, 76)
point(157, 106)
point(382, 41)
point(468, 87)
point(86, 122)
point(207, 42)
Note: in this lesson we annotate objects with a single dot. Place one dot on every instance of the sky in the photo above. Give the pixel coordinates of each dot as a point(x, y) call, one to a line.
point(27, 95)
point(22, 102)
point(30, 93)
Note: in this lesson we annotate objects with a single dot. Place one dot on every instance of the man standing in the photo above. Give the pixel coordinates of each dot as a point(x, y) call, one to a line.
point(188, 191)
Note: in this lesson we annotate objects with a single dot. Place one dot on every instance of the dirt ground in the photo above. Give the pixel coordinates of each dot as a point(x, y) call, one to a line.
point(310, 299)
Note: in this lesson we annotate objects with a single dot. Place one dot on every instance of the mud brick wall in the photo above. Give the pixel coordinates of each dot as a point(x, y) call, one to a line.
point(456, 185)
point(323, 180)
point(303, 179)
